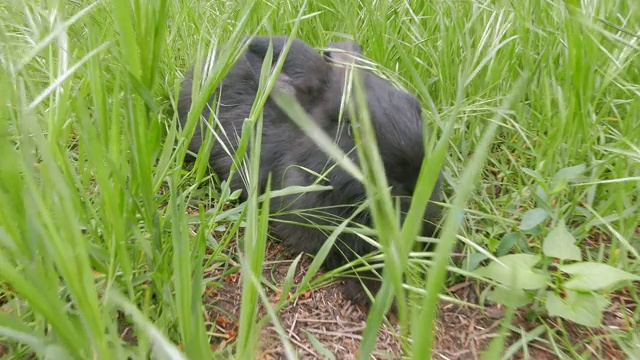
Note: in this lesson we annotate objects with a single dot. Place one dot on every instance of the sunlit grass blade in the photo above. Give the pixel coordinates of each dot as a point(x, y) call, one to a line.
point(161, 345)
point(452, 222)
point(187, 256)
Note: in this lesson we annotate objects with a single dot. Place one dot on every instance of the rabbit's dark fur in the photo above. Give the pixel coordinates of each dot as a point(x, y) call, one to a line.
point(317, 82)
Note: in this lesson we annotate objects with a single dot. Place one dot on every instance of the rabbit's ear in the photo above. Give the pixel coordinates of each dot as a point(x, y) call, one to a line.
point(257, 50)
point(343, 52)
point(304, 71)
point(343, 55)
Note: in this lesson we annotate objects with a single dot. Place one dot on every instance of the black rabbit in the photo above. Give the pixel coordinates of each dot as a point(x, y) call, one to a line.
point(316, 80)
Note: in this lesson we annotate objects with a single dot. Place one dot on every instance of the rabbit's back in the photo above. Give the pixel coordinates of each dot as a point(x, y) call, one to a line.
point(294, 159)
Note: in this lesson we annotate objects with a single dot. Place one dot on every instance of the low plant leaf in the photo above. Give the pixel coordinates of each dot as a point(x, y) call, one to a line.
point(579, 307)
point(517, 272)
point(542, 194)
point(507, 242)
point(235, 195)
point(570, 172)
point(533, 218)
point(509, 296)
point(559, 243)
point(472, 261)
point(563, 176)
point(589, 276)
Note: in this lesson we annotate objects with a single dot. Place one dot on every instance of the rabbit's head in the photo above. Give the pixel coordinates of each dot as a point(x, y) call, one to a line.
point(397, 121)
point(396, 117)
point(305, 74)
point(318, 81)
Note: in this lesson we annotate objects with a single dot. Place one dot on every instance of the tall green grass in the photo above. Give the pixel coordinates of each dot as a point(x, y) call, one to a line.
point(95, 232)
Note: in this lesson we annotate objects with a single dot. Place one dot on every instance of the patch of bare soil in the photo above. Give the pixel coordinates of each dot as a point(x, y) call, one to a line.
point(329, 319)
point(323, 316)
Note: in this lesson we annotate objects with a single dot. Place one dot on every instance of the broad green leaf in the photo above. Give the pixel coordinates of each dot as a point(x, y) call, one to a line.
point(235, 195)
point(588, 276)
point(570, 172)
point(542, 194)
point(533, 218)
point(523, 244)
point(581, 308)
point(516, 273)
point(509, 296)
point(507, 242)
point(563, 176)
point(559, 243)
point(472, 261)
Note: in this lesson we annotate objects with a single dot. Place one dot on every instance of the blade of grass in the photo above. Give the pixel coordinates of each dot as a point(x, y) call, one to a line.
point(453, 220)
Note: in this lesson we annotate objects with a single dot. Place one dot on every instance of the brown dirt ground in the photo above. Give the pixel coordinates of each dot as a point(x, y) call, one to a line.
point(462, 332)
